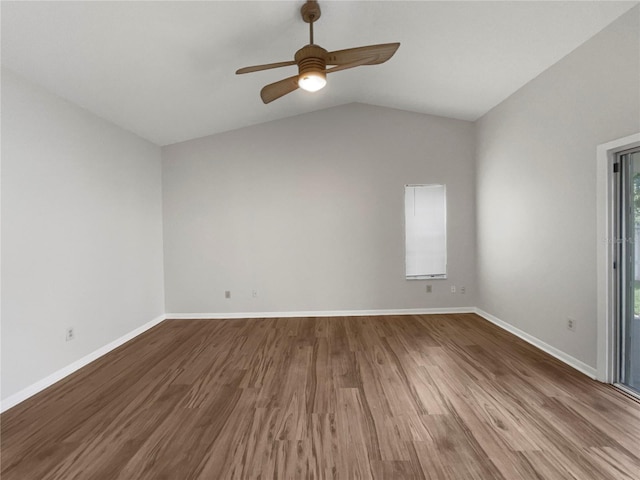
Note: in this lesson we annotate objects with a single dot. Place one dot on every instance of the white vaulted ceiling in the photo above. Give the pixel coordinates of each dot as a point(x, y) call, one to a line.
point(165, 70)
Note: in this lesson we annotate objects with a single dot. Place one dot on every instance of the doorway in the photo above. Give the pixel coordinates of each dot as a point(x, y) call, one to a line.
point(627, 329)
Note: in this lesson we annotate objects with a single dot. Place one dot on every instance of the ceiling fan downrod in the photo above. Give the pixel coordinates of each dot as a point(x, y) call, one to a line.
point(310, 12)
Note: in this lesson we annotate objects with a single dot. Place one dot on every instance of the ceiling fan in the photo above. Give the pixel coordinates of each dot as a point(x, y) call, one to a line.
point(312, 61)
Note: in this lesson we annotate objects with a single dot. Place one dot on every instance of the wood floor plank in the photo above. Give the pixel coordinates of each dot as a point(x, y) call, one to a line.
point(396, 397)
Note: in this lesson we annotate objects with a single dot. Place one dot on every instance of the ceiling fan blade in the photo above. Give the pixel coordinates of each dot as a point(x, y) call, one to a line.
point(278, 89)
point(267, 66)
point(346, 66)
point(376, 53)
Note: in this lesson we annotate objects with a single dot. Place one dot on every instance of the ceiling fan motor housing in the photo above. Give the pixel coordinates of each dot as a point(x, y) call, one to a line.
point(311, 59)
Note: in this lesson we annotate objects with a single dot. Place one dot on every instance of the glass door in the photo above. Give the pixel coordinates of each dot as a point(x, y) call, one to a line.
point(629, 319)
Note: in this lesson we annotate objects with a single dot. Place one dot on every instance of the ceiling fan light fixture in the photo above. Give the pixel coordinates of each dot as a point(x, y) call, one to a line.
point(312, 81)
point(312, 67)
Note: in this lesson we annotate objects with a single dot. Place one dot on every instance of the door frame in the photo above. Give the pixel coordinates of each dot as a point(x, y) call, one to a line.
point(606, 343)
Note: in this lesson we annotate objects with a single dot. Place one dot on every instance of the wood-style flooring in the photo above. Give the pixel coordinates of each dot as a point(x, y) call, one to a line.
point(420, 396)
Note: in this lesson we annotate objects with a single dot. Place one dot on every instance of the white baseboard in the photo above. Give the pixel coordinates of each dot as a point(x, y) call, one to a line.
point(536, 342)
point(40, 385)
point(321, 313)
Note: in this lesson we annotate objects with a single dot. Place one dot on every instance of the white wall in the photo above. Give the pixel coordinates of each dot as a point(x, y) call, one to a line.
point(81, 233)
point(536, 188)
point(309, 212)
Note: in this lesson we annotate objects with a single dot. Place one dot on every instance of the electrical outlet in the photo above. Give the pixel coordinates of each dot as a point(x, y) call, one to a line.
point(71, 335)
point(453, 289)
point(571, 324)
point(429, 289)
point(254, 293)
point(227, 294)
point(463, 289)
